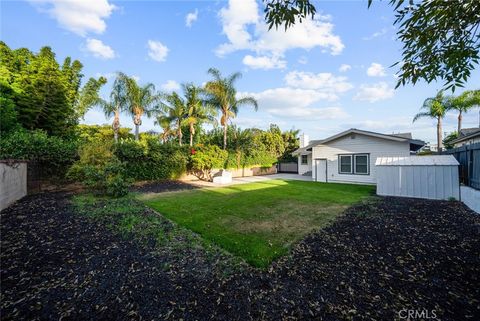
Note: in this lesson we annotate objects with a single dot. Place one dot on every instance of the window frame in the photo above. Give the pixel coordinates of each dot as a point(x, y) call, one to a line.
point(340, 164)
point(306, 160)
point(353, 164)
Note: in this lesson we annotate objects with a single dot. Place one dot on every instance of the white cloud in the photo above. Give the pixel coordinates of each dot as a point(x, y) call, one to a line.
point(264, 62)
point(170, 85)
point(296, 102)
point(376, 34)
point(78, 16)
point(322, 82)
point(157, 51)
point(191, 17)
point(99, 49)
point(374, 92)
point(310, 113)
point(245, 29)
point(344, 68)
point(376, 70)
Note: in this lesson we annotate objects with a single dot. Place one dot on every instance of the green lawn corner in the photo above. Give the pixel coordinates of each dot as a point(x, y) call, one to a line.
point(258, 221)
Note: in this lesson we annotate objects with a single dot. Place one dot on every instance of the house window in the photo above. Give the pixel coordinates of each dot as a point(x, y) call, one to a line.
point(361, 164)
point(345, 164)
point(304, 159)
point(354, 164)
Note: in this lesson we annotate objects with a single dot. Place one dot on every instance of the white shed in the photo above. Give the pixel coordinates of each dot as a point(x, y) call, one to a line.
point(434, 177)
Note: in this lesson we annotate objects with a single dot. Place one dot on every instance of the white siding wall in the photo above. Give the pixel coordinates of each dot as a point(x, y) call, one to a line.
point(304, 168)
point(376, 147)
point(473, 140)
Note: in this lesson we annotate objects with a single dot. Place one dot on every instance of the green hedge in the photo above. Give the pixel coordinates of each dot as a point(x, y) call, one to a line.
point(150, 160)
point(53, 154)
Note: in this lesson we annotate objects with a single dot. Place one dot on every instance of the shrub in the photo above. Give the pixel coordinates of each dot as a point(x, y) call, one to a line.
point(53, 154)
point(148, 159)
point(100, 170)
point(205, 158)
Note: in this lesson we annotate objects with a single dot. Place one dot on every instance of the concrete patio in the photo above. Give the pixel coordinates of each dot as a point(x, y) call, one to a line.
point(253, 179)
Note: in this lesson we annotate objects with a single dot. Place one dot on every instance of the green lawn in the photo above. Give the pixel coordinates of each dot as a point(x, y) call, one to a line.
point(258, 221)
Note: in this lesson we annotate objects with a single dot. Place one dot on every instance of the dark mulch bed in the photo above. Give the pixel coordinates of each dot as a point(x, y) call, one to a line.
point(376, 260)
point(162, 186)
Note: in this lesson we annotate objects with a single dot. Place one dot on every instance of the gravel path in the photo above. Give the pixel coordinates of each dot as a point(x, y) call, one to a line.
point(378, 259)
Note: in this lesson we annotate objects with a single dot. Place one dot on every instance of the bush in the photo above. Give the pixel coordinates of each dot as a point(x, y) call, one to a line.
point(148, 159)
point(100, 170)
point(53, 154)
point(205, 158)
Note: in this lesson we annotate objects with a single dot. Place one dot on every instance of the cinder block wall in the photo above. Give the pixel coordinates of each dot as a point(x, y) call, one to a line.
point(13, 182)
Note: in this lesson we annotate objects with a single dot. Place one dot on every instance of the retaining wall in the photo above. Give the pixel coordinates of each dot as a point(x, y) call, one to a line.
point(13, 182)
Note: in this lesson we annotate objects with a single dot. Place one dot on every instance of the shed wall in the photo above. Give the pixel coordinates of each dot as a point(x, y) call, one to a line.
point(433, 182)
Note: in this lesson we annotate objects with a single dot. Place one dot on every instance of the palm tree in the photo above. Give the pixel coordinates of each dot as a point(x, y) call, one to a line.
point(463, 103)
point(197, 110)
point(140, 100)
point(223, 95)
point(116, 104)
point(175, 111)
point(167, 129)
point(436, 107)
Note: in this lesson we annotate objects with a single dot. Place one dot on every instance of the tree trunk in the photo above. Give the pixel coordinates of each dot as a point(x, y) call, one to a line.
point(116, 126)
point(137, 120)
point(439, 134)
point(192, 132)
point(180, 134)
point(459, 122)
point(225, 135)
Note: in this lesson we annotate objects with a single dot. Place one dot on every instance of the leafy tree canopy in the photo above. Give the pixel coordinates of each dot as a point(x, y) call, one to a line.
point(441, 39)
point(44, 95)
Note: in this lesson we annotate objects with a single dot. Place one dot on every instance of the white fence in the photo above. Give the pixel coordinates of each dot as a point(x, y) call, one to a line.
point(13, 182)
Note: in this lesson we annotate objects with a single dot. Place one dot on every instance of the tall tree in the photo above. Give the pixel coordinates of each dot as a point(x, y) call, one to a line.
point(175, 111)
point(140, 100)
point(167, 129)
point(436, 108)
point(198, 111)
point(441, 39)
point(116, 104)
point(223, 95)
point(46, 96)
point(463, 103)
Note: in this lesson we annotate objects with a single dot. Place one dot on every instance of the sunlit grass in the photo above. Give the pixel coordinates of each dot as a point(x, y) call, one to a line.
point(258, 221)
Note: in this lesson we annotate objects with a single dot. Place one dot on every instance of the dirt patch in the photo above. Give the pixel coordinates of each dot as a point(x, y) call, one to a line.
point(289, 218)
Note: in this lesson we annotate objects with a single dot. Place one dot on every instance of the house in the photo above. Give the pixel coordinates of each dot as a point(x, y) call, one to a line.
point(467, 136)
point(349, 157)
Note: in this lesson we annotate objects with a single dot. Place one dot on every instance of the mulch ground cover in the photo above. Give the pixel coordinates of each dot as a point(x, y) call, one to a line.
point(378, 259)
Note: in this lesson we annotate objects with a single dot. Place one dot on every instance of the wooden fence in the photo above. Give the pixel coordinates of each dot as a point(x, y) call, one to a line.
point(469, 158)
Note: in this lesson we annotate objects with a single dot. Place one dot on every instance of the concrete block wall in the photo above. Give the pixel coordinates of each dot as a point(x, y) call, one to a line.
point(13, 182)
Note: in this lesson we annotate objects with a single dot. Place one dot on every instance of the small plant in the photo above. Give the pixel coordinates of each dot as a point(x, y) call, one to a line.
point(452, 199)
point(100, 171)
point(207, 158)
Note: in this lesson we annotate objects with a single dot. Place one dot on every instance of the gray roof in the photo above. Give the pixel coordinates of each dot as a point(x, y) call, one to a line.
point(467, 133)
point(435, 160)
point(402, 137)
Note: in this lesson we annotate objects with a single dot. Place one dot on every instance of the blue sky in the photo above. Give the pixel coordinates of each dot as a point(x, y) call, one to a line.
point(321, 77)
